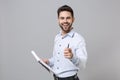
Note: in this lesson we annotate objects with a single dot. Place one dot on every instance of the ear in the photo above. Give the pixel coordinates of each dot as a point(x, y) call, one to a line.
point(73, 19)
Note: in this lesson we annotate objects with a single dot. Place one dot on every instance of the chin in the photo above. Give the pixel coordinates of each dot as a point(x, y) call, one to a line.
point(67, 31)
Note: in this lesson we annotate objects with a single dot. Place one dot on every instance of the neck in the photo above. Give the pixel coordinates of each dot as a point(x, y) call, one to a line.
point(63, 33)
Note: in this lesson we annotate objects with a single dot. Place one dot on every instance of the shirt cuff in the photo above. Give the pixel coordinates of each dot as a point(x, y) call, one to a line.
point(74, 59)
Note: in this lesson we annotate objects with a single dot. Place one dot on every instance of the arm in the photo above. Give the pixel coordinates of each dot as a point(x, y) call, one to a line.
point(80, 55)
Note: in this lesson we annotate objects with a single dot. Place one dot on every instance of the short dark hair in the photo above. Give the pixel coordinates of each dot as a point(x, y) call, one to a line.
point(65, 8)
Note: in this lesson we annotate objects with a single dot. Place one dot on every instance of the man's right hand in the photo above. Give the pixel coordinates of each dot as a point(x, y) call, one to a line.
point(45, 61)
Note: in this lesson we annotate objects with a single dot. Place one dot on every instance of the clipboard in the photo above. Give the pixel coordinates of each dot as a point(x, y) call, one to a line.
point(39, 60)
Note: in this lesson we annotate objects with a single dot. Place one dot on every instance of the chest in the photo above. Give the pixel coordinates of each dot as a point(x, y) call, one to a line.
point(61, 44)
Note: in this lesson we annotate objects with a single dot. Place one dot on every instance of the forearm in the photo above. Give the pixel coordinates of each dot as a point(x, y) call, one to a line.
point(51, 61)
point(80, 57)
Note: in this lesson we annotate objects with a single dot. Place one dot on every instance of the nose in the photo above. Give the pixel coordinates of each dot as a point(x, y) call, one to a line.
point(65, 20)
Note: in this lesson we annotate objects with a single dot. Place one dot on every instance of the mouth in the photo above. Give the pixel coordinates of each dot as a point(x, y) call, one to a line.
point(65, 24)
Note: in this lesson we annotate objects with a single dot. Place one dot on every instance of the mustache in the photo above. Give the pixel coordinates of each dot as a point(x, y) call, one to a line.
point(66, 23)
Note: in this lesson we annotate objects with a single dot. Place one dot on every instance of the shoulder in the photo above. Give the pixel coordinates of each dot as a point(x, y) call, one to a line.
point(78, 36)
point(79, 39)
point(57, 37)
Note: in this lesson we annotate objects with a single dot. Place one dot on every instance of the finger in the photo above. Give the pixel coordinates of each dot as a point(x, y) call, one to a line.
point(68, 49)
point(66, 52)
point(66, 55)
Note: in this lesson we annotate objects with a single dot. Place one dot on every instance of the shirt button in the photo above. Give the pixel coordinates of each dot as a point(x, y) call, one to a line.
point(58, 53)
point(57, 67)
point(59, 45)
point(57, 60)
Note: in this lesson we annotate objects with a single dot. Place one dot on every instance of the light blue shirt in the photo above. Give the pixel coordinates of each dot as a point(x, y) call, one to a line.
point(65, 67)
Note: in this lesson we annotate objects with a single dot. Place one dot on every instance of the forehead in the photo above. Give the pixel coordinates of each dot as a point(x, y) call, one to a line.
point(65, 14)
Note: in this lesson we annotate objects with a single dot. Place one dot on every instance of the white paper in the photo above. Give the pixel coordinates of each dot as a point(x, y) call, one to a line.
point(40, 60)
point(34, 54)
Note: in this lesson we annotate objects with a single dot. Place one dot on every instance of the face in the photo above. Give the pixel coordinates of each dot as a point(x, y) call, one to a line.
point(65, 21)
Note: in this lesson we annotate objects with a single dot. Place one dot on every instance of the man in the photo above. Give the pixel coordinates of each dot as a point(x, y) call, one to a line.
point(69, 52)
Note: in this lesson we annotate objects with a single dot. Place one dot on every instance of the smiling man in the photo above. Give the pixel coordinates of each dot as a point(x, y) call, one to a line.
point(65, 20)
point(69, 54)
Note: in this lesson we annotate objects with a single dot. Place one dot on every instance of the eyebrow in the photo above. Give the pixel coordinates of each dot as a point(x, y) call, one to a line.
point(65, 17)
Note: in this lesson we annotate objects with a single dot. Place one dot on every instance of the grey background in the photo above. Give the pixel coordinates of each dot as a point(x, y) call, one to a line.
point(27, 25)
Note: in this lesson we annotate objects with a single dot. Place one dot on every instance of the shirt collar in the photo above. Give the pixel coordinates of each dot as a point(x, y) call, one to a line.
point(71, 34)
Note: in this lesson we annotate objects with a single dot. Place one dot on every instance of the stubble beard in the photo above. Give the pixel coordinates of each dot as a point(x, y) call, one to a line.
point(69, 27)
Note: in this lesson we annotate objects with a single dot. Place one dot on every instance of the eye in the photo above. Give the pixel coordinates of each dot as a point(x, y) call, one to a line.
point(61, 18)
point(68, 17)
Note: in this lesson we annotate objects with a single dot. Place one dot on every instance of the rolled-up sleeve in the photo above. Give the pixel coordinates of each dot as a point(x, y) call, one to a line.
point(80, 55)
point(51, 61)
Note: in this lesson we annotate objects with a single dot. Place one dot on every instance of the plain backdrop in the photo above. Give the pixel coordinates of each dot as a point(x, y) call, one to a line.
point(27, 25)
